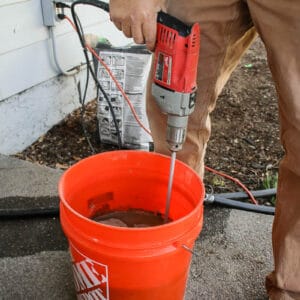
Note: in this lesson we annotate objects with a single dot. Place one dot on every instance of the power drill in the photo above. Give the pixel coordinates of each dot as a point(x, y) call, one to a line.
point(175, 71)
point(174, 77)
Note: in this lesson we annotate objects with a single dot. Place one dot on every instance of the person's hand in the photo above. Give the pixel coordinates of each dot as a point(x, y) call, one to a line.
point(137, 19)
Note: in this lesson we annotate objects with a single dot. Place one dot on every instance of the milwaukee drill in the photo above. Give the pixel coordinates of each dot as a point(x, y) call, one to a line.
point(175, 70)
point(174, 77)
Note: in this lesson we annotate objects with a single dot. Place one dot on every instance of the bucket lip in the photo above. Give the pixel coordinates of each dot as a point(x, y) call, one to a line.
point(125, 229)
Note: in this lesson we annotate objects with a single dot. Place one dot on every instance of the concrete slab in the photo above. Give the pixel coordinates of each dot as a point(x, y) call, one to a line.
point(24, 184)
point(46, 275)
point(234, 255)
point(28, 236)
point(233, 252)
point(22, 178)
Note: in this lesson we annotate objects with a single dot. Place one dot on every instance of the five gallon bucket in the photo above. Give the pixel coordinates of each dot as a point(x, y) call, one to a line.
point(120, 263)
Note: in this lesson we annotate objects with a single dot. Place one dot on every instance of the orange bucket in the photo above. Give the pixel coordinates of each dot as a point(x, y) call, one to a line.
point(120, 263)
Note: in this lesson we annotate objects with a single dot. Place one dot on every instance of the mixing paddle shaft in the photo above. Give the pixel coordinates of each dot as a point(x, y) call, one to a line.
point(170, 185)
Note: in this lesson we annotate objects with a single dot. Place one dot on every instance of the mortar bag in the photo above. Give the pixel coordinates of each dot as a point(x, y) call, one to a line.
point(130, 65)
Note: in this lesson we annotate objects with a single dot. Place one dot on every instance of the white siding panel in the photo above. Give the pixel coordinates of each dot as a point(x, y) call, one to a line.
point(31, 65)
point(10, 2)
point(21, 25)
point(26, 116)
point(32, 97)
point(25, 56)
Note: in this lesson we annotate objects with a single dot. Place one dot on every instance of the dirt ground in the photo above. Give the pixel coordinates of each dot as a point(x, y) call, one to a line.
point(245, 131)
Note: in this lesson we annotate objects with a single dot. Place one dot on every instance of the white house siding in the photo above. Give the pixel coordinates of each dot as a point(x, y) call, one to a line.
point(32, 97)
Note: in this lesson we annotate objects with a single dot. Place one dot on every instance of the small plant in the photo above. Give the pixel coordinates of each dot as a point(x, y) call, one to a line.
point(269, 182)
point(217, 181)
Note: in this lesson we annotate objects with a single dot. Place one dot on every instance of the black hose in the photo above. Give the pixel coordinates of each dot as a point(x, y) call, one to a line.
point(243, 195)
point(29, 212)
point(99, 4)
point(222, 201)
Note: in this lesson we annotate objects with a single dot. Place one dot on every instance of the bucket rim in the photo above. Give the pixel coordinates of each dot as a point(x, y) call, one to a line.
point(64, 201)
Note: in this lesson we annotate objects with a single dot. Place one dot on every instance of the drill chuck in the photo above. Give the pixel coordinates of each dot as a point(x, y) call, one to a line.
point(176, 132)
point(178, 107)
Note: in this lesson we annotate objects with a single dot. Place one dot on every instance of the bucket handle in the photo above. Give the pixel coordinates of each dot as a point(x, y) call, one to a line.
point(187, 248)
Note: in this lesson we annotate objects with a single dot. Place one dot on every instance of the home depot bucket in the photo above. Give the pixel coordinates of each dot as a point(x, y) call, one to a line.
point(120, 263)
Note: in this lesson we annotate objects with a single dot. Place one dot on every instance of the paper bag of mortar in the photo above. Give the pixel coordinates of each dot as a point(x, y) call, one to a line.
point(130, 66)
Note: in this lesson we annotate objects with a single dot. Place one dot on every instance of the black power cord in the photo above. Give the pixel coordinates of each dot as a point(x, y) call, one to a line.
point(81, 98)
point(100, 4)
point(80, 33)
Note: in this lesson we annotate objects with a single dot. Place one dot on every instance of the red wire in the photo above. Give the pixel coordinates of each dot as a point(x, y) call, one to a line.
point(120, 88)
point(71, 22)
point(141, 124)
point(234, 180)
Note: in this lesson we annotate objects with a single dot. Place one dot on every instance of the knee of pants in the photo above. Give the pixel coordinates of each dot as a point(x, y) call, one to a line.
point(291, 142)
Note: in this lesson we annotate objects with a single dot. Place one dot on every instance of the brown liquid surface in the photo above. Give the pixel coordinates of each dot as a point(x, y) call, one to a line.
point(130, 218)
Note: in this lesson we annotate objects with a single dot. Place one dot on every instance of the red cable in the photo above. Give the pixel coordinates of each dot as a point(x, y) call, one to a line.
point(119, 87)
point(141, 124)
point(71, 22)
point(234, 180)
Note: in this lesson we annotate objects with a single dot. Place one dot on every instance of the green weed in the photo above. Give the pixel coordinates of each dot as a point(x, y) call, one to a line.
point(269, 182)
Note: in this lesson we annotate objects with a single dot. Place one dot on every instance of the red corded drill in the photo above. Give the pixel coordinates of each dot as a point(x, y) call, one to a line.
point(175, 71)
point(174, 77)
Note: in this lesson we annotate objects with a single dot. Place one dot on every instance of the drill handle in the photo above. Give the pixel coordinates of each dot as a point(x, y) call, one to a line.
point(171, 22)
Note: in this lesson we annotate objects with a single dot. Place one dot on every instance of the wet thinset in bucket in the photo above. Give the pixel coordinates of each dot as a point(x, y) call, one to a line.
point(130, 263)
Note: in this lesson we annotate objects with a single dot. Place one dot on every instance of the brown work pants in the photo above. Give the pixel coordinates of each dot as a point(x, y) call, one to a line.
point(228, 28)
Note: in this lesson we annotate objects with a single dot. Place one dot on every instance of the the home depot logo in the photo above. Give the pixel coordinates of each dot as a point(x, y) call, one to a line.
point(90, 277)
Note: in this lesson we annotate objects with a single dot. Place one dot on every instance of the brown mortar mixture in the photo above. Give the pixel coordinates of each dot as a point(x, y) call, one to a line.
point(130, 218)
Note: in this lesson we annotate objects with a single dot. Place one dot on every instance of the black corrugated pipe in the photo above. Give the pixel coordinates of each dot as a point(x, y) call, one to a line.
point(243, 195)
point(29, 212)
point(223, 201)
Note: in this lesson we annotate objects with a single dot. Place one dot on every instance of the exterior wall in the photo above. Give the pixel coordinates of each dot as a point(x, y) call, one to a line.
point(33, 97)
